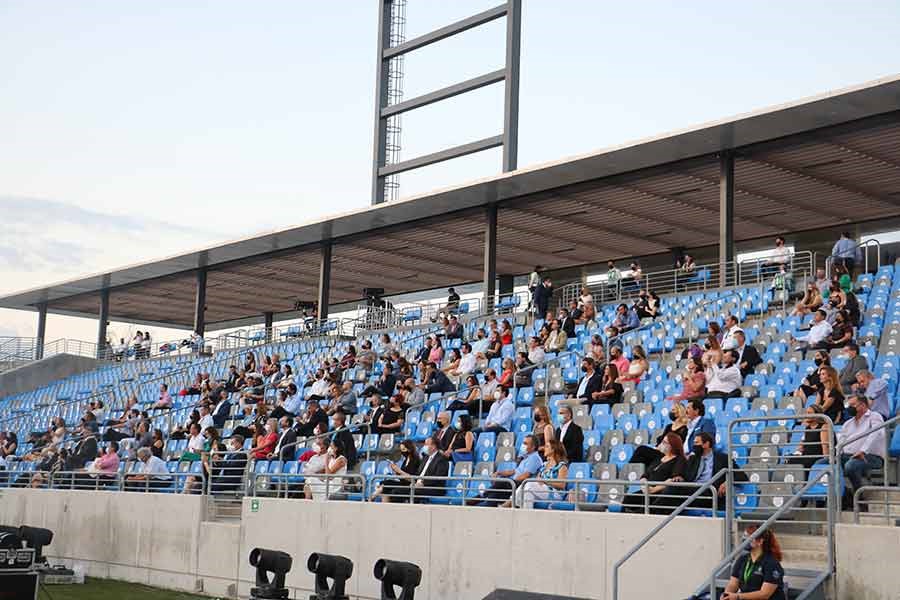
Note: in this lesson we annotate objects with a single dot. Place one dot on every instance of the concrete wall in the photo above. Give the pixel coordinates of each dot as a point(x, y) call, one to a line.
point(40, 373)
point(866, 557)
point(161, 540)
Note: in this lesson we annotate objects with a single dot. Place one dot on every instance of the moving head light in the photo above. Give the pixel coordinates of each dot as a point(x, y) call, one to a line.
point(403, 574)
point(270, 561)
point(330, 566)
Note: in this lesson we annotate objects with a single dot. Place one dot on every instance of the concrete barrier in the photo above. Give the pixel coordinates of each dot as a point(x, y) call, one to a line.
point(162, 540)
point(866, 556)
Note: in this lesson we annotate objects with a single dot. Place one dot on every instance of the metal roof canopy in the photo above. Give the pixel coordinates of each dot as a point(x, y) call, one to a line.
point(820, 162)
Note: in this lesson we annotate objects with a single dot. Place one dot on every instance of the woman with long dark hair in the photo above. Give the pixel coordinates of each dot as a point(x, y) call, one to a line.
point(669, 465)
point(757, 575)
point(396, 488)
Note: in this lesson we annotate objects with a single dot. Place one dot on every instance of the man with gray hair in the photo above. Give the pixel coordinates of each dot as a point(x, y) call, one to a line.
point(152, 474)
point(875, 391)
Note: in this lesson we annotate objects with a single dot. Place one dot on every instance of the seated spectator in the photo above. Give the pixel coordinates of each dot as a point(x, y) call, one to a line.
point(343, 434)
point(286, 446)
point(396, 489)
point(724, 381)
point(542, 429)
point(468, 399)
point(314, 415)
point(386, 347)
point(856, 362)
point(436, 381)
point(647, 305)
point(499, 419)
point(462, 443)
point(556, 341)
point(626, 319)
point(544, 332)
point(165, 399)
point(265, 443)
point(344, 400)
point(811, 301)
point(812, 383)
point(638, 367)
point(597, 351)
point(454, 329)
point(436, 354)
point(107, 464)
point(841, 331)
point(703, 466)
point(453, 362)
point(83, 452)
point(715, 330)
point(157, 443)
point(859, 457)
point(830, 395)
point(698, 422)
point(9, 446)
point(586, 306)
point(566, 322)
point(610, 391)
point(481, 344)
point(489, 386)
point(748, 356)
point(466, 363)
point(523, 370)
point(391, 420)
point(226, 472)
point(570, 434)
point(875, 390)
point(183, 431)
point(318, 387)
point(508, 375)
point(348, 360)
point(495, 346)
point(529, 465)
point(646, 455)
point(289, 403)
point(591, 383)
point(535, 351)
point(373, 416)
point(816, 440)
point(434, 465)
point(316, 463)
point(367, 357)
point(732, 326)
point(693, 382)
point(818, 336)
point(506, 333)
point(329, 482)
point(617, 358)
point(670, 463)
point(413, 394)
point(712, 350)
point(206, 419)
point(758, 574)
point(152, 474)
point(283, 378)
point(552, 475)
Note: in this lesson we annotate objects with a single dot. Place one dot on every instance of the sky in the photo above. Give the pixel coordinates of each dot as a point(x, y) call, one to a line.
point(135, 130)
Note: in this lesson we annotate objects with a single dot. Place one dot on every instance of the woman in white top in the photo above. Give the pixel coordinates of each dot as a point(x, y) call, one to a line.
point(320, 488)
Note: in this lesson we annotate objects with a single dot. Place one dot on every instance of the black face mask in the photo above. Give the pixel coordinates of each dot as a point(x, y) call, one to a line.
point(673, 417)
point(851, 411)
point(818, 362)
point(584, 369)
point(707, 346)
point(698, 448)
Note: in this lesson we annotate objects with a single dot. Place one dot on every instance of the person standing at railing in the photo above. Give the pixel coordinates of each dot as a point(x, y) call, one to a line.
point(759, 574)
point(845, 252)
point(534, 280)
point(542, 296)
point(861, 456)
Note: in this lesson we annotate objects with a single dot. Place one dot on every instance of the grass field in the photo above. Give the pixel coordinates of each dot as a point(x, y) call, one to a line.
point(105, 589)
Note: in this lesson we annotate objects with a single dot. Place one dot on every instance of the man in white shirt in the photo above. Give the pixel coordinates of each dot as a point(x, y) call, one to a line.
point(153, 473)
point(818, 334)
point(781, 256)
point(859, 457)
point(481, 343)
point(499, 419)
point(206, 419)
point(731, 327)
point(724, 381)
point(319, 389)
point(535, 351)
point(489, 386)
point(466, 363)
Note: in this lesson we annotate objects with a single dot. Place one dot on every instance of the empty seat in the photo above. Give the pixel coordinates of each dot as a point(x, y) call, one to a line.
point(763, 455)
point(596, 454)
point(613, 438)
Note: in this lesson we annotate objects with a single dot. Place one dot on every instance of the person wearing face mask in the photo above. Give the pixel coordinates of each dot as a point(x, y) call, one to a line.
point(618, 359)
point(557, 340)
point(841, 331)
point(265, 443)
point(343, 434)
point(647, 455)
point(695, 412)
point(856, 362)
point(703, 466)
point(724, 381)
point(445, 431)
point(529, 465)
point(499, 419)
point(670, 464)
point(757, 575)
point(859, 457)
point(489, 386)
point(712, 350)
point(227, 472)
point(320, 488)
point(570, 434)
point(435, 464)
point(590, 384)
point(391, 420)
point(811, 384)
point(543, 430)
point(693, 382)
point(396, 489)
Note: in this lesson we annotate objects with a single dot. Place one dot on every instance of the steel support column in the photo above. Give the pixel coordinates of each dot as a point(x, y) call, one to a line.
point(103, 319)
point(200, 303)
point(726, 215)
point(41, 331)
point(382, 72)
point(490, 255)
point(505, 285)
point(324, 281)
point(511, 100)
point(270, 319)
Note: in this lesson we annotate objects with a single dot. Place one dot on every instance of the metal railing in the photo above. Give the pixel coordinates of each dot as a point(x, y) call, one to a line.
point(842, 443)
point(890, 497)
point(659, 527)
point(310, 486)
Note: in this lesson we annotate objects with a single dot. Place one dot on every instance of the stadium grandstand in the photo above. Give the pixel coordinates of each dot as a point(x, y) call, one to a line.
point(651, 360)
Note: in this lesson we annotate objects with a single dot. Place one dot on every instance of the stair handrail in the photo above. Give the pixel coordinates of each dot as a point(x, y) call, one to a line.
point(759, 531)
point(643, 541)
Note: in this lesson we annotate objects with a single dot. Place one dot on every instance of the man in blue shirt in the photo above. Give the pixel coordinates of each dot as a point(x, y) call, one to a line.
point(499, 419)
point(845, 251)
point(500, 492)
point(876, 391)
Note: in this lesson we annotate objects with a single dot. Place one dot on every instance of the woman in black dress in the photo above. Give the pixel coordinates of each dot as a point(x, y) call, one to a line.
point(391, 420)
point(397, 489)
point(611, 390)
point(811, 384)
point(647, 455)
point(670, 465)
point(831, 396)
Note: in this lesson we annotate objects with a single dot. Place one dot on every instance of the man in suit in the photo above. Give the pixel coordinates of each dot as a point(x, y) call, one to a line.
point(85, 450)
point(696, 412)
point(222, 408)
point(376, 408)
point(748, 356)
point(436, 380)
point(314, 415)
point(566, 322)
point(454, 330)
point(228, 471)
point(444, 435)
point(542, 295)
point(435, 465)
point(702, 466)
point(571, 435)
point(343, 434)
point(286, 448)
point(591, 383)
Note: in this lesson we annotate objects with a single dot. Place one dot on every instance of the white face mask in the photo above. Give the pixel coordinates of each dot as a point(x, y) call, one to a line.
point(497, 395)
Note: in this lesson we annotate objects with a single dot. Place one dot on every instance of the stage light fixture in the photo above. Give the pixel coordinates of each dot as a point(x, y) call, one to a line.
point(330, 566)
point(36, 538)
point(395, 573)
point(277, 563)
